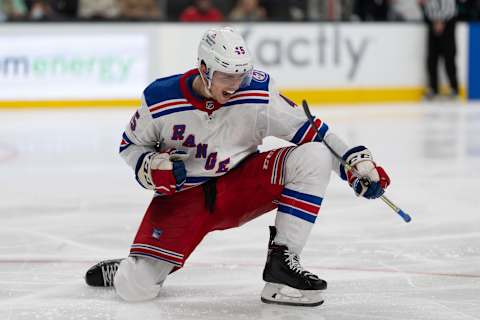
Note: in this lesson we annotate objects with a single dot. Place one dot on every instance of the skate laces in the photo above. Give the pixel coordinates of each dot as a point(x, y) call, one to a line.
point(108, 273)
point(293, 262)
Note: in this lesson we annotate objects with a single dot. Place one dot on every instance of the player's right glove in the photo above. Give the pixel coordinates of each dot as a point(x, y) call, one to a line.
point(164, 172)
point(372, 180)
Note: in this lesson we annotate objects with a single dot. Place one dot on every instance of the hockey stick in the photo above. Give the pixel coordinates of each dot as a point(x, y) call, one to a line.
point(405, 216)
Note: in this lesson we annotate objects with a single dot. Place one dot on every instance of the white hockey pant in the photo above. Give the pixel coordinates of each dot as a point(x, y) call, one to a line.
point(308, 170)
point(139, 279)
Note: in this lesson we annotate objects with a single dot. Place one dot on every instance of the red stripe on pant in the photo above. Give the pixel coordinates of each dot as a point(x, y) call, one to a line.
point(313, 209)
point(279, 161)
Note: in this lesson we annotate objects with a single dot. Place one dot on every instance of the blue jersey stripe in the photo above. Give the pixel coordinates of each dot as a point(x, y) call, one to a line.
point(243, 101)
point(170, 111)
point(125, 137)
point(127, 140)
point(322, 131)
point(302, 196)
point(297, 213)
point(300, 133)
point(122, 148)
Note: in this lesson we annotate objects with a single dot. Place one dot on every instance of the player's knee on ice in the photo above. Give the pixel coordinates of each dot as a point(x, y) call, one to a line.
point(310, 164)
point(140, 279)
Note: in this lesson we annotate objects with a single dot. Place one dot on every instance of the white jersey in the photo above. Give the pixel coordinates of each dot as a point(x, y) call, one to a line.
point(215, 137)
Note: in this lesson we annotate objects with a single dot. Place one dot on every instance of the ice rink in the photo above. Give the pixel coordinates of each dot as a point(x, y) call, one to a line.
point(67, 200)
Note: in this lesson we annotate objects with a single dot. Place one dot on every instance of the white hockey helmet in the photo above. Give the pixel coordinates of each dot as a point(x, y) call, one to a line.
point(224, 50)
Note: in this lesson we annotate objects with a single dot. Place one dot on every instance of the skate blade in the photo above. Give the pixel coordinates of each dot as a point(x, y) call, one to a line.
point(283, 295)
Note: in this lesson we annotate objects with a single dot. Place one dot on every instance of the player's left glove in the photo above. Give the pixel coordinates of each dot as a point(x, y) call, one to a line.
point(163, 171)
point(167, 171)
point(372, 180)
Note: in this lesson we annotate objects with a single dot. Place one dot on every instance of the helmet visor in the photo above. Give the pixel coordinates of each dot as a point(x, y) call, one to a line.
point(233, 80)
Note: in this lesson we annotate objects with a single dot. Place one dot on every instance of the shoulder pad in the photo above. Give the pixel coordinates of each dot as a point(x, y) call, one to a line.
point(163, 89)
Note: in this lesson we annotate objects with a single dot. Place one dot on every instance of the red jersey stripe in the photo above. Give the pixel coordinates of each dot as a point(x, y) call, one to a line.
point(312, 131)
point(165, 105)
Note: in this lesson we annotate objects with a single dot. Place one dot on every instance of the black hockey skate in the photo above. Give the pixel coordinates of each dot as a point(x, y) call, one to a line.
point(102, 274)
point(287, 282)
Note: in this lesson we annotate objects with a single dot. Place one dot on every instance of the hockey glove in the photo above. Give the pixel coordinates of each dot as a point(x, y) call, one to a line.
point(164, 172)
point(372, 180)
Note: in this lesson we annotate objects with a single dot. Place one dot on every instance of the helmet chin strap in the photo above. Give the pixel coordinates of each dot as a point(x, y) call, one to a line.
point(206, 86)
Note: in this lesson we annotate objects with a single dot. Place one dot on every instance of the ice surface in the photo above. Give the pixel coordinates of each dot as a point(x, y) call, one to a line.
point(67, 200)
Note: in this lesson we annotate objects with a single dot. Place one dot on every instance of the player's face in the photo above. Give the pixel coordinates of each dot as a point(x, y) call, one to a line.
point(224, 85)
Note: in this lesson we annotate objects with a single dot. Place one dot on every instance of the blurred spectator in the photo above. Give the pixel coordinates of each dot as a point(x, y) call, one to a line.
point(468, 10)
point(140, 9)
point(286, 10)
point(12, 10)
point(175, 8)
point(98, 9)
point(248, 10)
point(237, 10)
point(371, 10)
point(41, 10)
point(201, 11)
point(330, 10)
point(65, 9)
point(405, 10)
point(440, 17)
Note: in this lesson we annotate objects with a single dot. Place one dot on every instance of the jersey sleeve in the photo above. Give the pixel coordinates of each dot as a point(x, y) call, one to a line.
point(139, 138)
point(285, 120)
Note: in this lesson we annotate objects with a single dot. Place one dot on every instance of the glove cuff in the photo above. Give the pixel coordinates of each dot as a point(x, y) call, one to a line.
point(356, 155)
point(144, 169)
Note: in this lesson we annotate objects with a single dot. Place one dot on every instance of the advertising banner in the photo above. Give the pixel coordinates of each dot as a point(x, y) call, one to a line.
point(323, 62)
point(79, 66)
point(327, 62)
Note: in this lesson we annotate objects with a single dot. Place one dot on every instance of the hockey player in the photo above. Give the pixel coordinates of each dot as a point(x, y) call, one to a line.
point(194, 142)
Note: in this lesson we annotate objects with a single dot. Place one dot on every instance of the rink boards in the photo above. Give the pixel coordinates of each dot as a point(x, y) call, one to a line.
point(108, 65)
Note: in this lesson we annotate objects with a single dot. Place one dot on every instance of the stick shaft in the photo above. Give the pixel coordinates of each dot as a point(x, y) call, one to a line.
point(394, 207)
